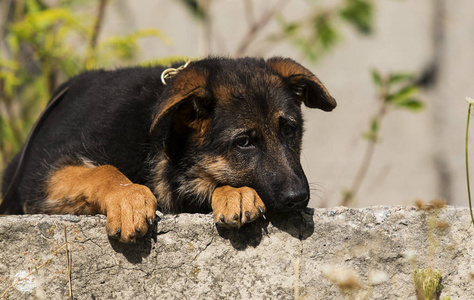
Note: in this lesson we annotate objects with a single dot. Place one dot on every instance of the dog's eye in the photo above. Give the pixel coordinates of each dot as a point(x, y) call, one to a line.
point(288, 129)
point(244, 142)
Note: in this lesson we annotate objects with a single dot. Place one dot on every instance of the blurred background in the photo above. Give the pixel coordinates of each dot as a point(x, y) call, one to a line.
point(399, 70)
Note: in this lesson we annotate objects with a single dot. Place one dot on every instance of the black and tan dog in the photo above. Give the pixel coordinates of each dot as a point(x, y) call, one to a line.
point(221, 135)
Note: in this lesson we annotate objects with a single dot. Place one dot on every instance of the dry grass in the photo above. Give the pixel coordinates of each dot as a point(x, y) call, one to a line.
point(44, 265)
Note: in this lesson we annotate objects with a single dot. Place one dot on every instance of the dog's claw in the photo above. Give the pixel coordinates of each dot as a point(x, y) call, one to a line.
point(150, 221)
point(132, 235)
point(138, 230)
point(118, 231)
point(236, 206)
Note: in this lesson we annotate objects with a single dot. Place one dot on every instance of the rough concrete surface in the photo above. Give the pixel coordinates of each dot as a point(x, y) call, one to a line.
point(282, 257)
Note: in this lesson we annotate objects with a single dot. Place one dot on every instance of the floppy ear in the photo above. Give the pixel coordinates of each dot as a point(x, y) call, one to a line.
point(184, 109)
point(303, 83)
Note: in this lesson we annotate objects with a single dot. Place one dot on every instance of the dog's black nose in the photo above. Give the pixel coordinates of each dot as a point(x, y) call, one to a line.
point(296, 199)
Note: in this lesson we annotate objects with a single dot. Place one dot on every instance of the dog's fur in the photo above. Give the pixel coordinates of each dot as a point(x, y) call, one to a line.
point(222, 135)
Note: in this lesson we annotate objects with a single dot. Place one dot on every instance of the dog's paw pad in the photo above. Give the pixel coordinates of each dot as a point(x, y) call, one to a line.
point(234, 207)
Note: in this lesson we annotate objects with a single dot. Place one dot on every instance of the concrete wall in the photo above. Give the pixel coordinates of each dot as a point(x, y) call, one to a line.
point(303, 256)
point(420, 155)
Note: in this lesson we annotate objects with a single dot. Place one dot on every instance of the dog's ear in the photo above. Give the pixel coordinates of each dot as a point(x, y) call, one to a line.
point(303, 83)
point(184, 109)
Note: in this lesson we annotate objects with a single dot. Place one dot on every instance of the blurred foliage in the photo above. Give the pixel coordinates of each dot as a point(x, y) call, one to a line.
point(394, 91)
point(321, 30)
point(40, 47)
point(195, 8)
point(359, 13)
point(123, 48)
point(166, 61)
point(397, 90)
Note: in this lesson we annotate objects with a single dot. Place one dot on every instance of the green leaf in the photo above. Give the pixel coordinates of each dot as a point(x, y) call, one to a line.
point(196, 10)
point(399, 77)
point(150, 32)
point(10, 81)
point(34, 6)
point(71, 65)
point(369, 136)
point(410, 104)
point(373, 132)
point(288, 28)
point(13, 43)
point(359, 13)
point(402, 94)
point(325, 31)
point(291, 28)
point(376, 78)
point(374, 125)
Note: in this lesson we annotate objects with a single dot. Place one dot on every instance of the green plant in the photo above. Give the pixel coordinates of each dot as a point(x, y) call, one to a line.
point(428, 284)
point(318, 32)
point(470, 101)
point(41, 46)
point(397, 91)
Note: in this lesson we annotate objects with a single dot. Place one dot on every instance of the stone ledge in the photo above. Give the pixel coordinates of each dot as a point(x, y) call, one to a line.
point(186, 256)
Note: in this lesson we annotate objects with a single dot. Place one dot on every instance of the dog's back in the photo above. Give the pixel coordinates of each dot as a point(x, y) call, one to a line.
point(104, 116)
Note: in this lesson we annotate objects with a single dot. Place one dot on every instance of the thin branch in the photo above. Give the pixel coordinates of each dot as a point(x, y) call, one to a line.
point(95, 33)
point(257, 26)
point(32, 271)
point(369, 152)
point(207, 25)
point(249, 12)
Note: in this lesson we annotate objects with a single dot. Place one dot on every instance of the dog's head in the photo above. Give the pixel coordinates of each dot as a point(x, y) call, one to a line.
point(238, 123)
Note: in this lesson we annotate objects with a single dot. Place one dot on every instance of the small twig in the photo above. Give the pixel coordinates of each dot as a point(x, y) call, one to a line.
point(257, 26)
point(95, 33)
point(32, 271)
point(249, 12)
point(369, 152)
point(207, 24)
point(68, 264)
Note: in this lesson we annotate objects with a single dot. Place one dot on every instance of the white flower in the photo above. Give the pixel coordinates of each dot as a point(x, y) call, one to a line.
point(470, 100)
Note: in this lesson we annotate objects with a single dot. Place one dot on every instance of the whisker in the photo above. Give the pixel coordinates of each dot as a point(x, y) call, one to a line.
point(318, 191)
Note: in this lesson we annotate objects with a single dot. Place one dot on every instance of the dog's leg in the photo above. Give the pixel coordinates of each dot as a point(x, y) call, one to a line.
point(236, 206)
point(129, 207)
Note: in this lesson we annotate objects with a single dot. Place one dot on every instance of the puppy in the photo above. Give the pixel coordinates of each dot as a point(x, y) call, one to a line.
point(221, 135)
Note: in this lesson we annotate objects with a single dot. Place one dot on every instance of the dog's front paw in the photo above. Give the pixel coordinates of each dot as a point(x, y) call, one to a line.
point(236, 206)
point(130, 210)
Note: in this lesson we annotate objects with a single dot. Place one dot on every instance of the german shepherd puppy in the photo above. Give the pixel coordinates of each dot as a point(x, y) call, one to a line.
point(222, 135)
